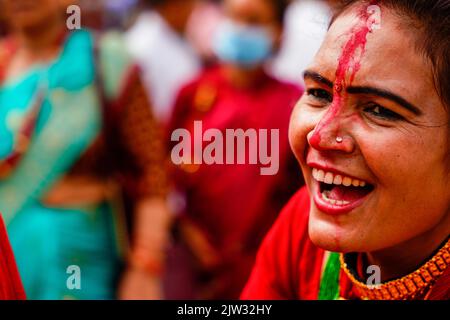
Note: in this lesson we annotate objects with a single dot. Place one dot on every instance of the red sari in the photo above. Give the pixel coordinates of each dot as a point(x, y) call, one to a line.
point(289, 266)
point(10, 283)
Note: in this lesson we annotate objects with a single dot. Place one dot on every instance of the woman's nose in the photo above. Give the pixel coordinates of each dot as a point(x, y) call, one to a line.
point(330, 134)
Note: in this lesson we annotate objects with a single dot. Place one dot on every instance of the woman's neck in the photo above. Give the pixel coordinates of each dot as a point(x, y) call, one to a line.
point(408, 256)
point(41, 42)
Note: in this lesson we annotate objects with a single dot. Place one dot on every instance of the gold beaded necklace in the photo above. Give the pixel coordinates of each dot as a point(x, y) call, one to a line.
point(416, 285)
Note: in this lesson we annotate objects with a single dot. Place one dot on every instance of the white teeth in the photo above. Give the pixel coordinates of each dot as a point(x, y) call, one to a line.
point(347, 181)
point(337, 180)
point(328, 178)
point(320, 175)
point(332, 201)
point(331, 178)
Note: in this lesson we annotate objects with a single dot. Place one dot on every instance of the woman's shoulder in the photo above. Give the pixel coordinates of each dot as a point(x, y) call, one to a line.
point(115, 62)
point(285, 254)
point(293, 221)
point(297, 208)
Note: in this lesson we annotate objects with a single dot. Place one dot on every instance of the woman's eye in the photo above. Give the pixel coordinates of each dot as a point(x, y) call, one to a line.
point(321, 95)
point(382, 113)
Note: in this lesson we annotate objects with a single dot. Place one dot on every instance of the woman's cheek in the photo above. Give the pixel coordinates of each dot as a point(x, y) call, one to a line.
point(300, 125)
point(384, 153)
point(294, 139)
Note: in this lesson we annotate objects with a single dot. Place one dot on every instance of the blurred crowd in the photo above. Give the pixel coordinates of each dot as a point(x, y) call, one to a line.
point(86, 121)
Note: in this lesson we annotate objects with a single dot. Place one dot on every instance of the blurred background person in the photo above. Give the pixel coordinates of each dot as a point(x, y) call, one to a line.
point(93, 14)
point(157, 42)
point(202, 25)
point(306, 25)
point(230, 207)
point(119, 13)
point(77, 133)
point(108, 14)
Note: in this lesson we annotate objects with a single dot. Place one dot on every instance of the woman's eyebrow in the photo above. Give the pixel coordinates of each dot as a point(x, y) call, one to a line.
point(386, 95)
point(315, 76)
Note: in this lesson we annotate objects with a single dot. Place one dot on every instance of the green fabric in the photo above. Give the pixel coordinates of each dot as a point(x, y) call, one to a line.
point(46, 241)
point(329, 285)
point(114, 63)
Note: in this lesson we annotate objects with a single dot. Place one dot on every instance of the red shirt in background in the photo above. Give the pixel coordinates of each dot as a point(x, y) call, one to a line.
point(233, 205)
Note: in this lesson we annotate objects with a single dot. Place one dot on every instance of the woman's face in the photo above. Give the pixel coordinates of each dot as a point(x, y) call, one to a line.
point(385, 132)
point(250, 11)
point(254, 13)
point(28, 13)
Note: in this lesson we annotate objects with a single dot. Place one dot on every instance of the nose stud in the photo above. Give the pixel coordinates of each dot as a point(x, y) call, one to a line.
point(339, 139)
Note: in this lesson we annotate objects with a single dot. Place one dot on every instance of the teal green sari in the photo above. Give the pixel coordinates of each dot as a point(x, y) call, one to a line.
point(48, 242)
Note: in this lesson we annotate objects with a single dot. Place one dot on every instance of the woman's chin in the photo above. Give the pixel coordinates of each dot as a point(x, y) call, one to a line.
point(332, 236)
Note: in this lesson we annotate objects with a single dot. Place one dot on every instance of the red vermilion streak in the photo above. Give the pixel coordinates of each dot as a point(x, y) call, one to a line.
point(349, 63)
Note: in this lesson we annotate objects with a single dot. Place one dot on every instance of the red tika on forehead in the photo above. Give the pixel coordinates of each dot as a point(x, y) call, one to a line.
point(354, 49)
point(349, 64)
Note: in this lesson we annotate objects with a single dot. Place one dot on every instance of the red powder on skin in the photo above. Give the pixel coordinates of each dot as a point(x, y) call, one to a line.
point(349, 63)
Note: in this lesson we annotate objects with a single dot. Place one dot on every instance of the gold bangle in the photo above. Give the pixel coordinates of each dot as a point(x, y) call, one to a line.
point(140, 259)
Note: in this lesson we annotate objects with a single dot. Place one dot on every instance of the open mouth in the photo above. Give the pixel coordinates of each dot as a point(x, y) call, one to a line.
point(338, 192)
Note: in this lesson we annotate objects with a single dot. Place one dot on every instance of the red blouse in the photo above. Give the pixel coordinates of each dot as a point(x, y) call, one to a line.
point(281, 270)
point(289, 266)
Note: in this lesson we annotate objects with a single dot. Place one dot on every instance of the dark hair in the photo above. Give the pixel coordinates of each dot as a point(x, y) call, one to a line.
point(280, 8)
point(431, 18)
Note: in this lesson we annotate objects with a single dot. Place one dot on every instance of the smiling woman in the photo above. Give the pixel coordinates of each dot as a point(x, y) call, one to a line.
point(371, 134)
